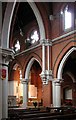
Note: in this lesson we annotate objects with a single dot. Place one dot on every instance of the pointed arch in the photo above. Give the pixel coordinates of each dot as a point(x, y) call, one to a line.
point(63, 61)
point(71, 76)
point(8, 19)
point(29, 67)
point(7, 24)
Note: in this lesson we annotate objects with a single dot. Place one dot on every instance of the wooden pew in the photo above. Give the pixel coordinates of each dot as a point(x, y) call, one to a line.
point(59, 113)
point(55, 117)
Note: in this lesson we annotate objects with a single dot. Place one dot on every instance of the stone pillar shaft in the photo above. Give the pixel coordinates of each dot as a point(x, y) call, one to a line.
point(46, 73)
point(53, 94)
point(43, 57)
point(25, 93)
point(56, 93)
point(5, 94)
point(6, 56)
point(0, 61)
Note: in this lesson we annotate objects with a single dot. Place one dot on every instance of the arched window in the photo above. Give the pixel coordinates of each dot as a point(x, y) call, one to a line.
point(33, 37)
point(67, 18)
point(17, 46)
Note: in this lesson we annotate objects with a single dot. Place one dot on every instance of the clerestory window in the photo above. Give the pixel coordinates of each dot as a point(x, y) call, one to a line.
point(17, 46)
point(33, 37)
point(67, 18)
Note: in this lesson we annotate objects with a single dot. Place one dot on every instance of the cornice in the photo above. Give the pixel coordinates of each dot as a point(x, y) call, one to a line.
point(63, 36)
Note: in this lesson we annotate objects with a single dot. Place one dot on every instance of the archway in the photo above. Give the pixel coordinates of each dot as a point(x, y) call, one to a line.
point(67, 90)
point(66, 71)
point(35, 85)
point(34, 88)
point(63, 61)
point(7, 24)
point(5, 36)
point(15, 87)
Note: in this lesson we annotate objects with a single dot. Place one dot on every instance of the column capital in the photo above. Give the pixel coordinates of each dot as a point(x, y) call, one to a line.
point(6, 54)
point(57, 81)
point(46, 76)
point(24, 81)
point(46, 42)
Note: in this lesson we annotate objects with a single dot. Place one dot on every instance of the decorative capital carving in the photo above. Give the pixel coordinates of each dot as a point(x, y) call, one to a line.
point(46, 76)
point(24, 81)
point(46, 42)
point(57, 81)
point(7, 54)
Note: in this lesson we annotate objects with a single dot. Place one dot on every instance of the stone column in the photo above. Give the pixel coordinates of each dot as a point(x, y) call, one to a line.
point(0, 89)
point(0, 20)
point(43, 77)
point(6, 55)
point(5, 92)
point(25, 92)
point(53, 94)
point(46, 73)
point(0, 61)
point(56, 93)
point(43, 56)
point(74, 94)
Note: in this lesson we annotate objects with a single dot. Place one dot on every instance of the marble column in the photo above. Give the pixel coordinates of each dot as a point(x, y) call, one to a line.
point(0, 62)
point(46, 73)
point(6, 55)
point(5, 93)
point(56, 87)
point(0, 90)
point(58, 94)
point(25, 92)
point(43, 56)
point(53, 94)
point(42, 75)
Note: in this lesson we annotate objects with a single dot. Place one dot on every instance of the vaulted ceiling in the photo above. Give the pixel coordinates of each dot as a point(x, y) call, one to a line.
point(24, 15)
